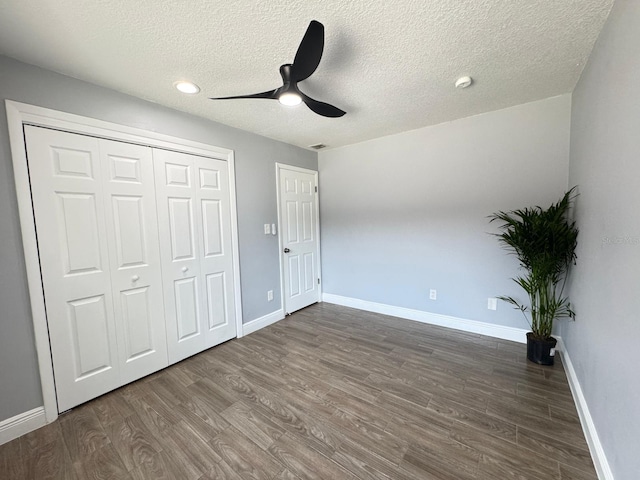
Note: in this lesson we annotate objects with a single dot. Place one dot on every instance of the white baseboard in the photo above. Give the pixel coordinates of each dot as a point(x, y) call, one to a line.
point(26, 422)
point(473, 326)
point(595, 447)
point(264, 321)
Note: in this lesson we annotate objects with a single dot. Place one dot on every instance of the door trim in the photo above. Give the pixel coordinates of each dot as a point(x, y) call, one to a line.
point(19, 114)
point(279, 168)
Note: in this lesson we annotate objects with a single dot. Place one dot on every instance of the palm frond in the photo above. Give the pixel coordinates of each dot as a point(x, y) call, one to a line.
point(544, 241)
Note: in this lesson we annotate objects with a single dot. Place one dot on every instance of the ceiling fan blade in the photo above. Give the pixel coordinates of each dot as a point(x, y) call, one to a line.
point(272, 94)
point(309, 52)
point(322, 108)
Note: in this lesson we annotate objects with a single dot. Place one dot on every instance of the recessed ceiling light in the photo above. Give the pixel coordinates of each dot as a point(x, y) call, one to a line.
point(464, 82)
point(187, 87)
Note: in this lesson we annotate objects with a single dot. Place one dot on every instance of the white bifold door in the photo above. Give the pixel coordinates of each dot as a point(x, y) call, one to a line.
point(113, 251)
point(195, 233)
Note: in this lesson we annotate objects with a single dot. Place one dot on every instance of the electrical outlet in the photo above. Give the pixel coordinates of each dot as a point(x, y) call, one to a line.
point(270, 296)
point(267, 229)
point(433, 295)
point(492, 303)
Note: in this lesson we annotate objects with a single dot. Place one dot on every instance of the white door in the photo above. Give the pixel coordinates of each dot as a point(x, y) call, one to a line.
point(197, 261)
point(95, 214)
point(72, 241)
point(134, 253)
point(298, 197)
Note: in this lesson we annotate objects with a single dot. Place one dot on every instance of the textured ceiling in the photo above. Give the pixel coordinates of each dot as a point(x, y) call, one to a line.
point(390, 64)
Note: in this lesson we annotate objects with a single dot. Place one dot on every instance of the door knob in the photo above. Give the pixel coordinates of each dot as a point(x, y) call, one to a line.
point(286, 250)
point(185, 269)
point(135, 278)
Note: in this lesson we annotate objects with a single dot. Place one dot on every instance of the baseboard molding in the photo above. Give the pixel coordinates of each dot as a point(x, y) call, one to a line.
point(595, 447)
point(472, 326)
point(264, 321)
point(26, 422)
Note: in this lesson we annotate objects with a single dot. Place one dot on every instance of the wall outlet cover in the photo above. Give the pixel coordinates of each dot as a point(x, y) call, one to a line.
point(492, 303)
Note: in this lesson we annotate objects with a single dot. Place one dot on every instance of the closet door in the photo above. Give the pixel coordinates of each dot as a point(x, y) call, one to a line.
point(134, 253)
point(214, 209)
point(96, 219)
point(195, 229)
point(66, 186)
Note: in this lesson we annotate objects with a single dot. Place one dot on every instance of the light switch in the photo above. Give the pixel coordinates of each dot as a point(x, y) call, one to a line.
point(273, 229)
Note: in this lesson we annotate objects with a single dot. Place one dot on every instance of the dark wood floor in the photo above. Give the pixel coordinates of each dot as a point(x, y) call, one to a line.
point(328, 393)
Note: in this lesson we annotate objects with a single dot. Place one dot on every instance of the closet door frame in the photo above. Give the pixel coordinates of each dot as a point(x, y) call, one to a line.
point(20, 114)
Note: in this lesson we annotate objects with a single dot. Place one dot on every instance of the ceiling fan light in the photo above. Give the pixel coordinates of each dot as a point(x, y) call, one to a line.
point(290, 99)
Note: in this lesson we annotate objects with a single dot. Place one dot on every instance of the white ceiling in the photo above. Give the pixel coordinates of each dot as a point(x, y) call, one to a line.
point(390, 64)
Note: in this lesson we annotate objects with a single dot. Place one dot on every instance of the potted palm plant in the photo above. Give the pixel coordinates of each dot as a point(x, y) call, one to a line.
point(544, 241)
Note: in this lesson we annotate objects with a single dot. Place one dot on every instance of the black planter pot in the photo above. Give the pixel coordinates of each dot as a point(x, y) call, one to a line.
point(541, 352)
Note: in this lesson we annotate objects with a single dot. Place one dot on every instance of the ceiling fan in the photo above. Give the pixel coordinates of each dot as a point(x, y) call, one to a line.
point(304, 64)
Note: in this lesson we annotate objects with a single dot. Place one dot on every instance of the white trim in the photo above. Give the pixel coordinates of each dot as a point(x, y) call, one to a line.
point(235, 244)
point(588, 427)
point(473, 326)
point(32, 264)
point(264, 321)
point(283, 166)
point(26, 422)
point(19, 114)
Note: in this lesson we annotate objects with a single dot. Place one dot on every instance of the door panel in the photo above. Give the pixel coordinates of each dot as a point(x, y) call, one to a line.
point(179, 254)
point(187, 308)
point(292, 221)
point(130, 210)
point(308, 225)
point(137, 318)
point(294, 275)
point(212, 228)
point(89, 328)
point(68, 202)
point(309, 271)
point(216, 300)
point(181, 228)
point(79, 231)
point(200, 306)
point(128, 222)
point(213, 195)
point(298, 206)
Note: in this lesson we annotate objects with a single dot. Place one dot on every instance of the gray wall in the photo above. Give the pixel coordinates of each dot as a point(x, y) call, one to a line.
point(256, 194)
point(407, 213)
point(605, 288)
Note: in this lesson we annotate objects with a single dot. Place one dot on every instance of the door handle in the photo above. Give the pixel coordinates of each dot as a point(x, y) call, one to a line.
point(286, 250)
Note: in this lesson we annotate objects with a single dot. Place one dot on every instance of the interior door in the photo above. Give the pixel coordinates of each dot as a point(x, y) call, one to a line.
point(134, 253)
point(66, 185)
point(95, 210)
point(214, 209)
point(299, 233)
point(197, 261)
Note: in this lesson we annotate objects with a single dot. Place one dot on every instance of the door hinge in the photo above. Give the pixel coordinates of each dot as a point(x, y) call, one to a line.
point(318, 281)
point(316, 189)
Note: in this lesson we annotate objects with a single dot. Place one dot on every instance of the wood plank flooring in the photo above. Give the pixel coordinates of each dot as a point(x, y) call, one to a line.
point(328, 393)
